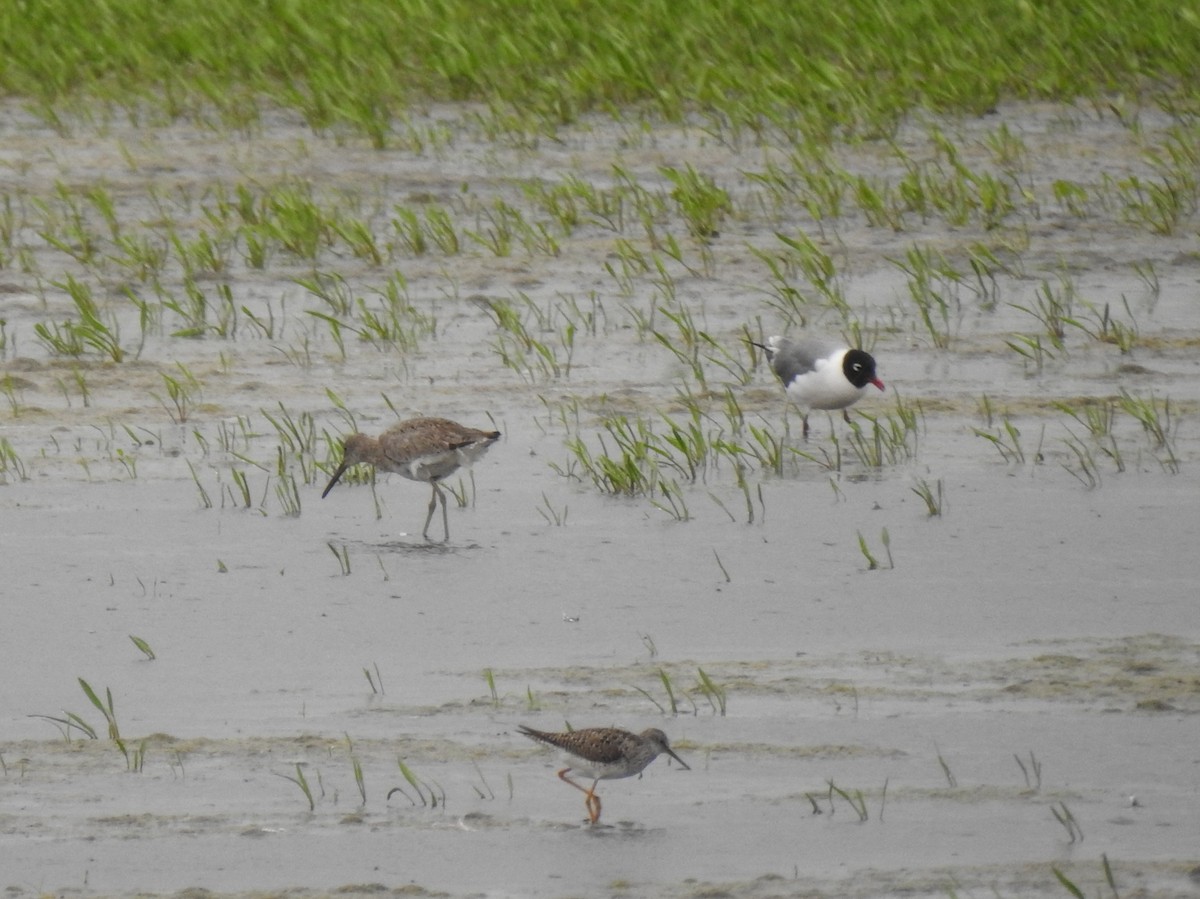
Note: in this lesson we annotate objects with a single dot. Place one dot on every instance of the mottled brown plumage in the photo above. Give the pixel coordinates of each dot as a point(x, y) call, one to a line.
point(420, 449)
point(604, 753)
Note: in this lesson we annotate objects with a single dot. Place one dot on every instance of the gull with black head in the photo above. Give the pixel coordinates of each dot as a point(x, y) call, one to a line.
point(820, 375)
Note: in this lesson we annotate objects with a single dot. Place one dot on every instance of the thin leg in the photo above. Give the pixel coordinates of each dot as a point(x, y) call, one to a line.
point(445, 517)
point(591, 802)
point(846, 415)
point(806, 427)
point(562, 775)
point(432, 505)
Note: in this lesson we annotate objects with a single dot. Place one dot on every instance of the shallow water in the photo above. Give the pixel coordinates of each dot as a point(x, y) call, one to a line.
point(1028, 656)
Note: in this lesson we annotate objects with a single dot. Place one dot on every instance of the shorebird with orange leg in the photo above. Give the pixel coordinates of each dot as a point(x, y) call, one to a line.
point(604, 753)
point(420, 449)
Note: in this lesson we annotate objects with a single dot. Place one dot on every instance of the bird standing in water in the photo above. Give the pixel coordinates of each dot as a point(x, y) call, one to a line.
point(820, 375)
point(604, 753)
point(420, 449)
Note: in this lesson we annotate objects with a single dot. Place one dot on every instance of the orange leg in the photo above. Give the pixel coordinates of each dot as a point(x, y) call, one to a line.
point(592, 802)
point(593, 806)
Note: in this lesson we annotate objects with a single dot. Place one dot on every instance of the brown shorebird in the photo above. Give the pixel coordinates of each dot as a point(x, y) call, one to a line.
point(820, 375)
point(420, 449)
point(604, 753)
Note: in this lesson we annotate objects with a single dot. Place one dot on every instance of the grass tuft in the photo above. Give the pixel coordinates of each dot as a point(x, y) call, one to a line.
point(818, 71)
point(302, 782)
point(144, 647)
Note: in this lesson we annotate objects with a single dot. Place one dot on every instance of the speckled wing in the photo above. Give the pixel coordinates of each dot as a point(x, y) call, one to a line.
point(426, 446)
point(413, 436)
point(595, 744)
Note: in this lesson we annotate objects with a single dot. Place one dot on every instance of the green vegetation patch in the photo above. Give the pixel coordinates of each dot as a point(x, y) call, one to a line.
point(854, 66)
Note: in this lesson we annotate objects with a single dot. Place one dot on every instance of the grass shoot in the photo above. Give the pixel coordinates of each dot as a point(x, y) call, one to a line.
point(374, 680)
point(1031, 772)
point(302, 782)
point(144, 647)
point(1063, 816)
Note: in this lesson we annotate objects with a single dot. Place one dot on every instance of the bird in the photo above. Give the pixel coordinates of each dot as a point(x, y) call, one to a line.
point(818, 375)
point(420, 449)
point(604, 753)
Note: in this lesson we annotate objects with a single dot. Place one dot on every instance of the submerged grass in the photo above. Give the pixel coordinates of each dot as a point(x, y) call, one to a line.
point(302, 782)
point(857, 65)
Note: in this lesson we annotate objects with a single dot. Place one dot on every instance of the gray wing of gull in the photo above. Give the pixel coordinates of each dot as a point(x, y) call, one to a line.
point(798, 357)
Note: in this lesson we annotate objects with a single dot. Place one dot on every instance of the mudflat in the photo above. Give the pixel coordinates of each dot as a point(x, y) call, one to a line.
point(950, 648)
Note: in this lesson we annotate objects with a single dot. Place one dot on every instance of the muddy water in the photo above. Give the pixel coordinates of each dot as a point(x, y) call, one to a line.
point(1014, 688)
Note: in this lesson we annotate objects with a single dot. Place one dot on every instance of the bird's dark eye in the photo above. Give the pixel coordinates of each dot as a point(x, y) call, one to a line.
point(857, 366)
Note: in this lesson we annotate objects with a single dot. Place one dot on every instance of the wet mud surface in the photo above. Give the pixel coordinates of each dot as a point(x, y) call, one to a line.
point(1013, 689)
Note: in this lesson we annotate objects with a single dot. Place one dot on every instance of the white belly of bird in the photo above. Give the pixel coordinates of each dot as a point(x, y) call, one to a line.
point(824, 388)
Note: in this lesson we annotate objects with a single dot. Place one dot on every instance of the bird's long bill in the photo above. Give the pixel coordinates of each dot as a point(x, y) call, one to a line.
point(333, 480)
point(878, 383)
point(672, 754)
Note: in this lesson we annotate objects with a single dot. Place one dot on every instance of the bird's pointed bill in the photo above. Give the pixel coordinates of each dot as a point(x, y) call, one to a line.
point(671, 753)
point(341, 469)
